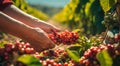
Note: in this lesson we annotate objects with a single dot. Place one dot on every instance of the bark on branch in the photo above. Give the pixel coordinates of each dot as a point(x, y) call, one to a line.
point(118, 10)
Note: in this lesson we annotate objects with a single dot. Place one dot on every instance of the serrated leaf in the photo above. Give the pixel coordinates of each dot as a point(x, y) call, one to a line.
point(104, 58)
point(73, 55)
point(107, 4)
point(29, 60)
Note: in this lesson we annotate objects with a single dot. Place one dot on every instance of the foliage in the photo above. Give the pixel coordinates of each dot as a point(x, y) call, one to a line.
point(104, 58)
point(84, 43)
point(50, 11)
point(85, 52)
point(73, 54)
point(30, 10)
point(84, 14)
point(29, 60)
point(107, 4)
point(2, 43)
point(116, 61)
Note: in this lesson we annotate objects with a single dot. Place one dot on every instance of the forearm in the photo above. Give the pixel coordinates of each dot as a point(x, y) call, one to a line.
point(34, 22)
point(16, 13)
point(12, 26)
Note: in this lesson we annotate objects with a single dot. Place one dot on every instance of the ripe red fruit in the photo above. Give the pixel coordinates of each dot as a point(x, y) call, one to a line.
point(65, 37)
point(27, 50)
point(65, 64)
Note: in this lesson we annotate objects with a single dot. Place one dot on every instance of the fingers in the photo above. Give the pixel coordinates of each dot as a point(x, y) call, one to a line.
point(45, 47)
point(54, 30)
point(58, 29)
point(39, 40)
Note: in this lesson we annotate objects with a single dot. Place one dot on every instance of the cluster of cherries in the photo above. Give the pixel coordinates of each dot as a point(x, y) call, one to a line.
point(89, 58)
point(54, 57)
point(49, 58)
point(10, 50)
point(58, 57)
point(49, 62)
point(65, 37)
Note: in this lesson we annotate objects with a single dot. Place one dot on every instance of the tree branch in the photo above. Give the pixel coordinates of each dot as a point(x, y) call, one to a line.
point(118, 10)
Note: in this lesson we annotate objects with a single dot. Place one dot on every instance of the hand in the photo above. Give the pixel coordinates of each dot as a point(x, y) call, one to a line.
point(26, 25)
point(39, 40)
point(45, 26)
point(49, 28)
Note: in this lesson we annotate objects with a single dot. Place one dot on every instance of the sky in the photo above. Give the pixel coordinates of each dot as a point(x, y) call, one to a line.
point(53, 3)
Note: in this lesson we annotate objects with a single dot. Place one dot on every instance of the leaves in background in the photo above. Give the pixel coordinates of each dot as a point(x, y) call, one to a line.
point(24, 6)
point(107, 4)
point(83, 14)
point(104, 58)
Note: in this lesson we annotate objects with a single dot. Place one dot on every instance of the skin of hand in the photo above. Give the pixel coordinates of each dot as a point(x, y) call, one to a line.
point(35, 36)
point(42, 40)
point(18, 14)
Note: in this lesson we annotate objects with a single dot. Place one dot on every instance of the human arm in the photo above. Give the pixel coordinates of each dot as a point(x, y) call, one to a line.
point(35, 36)
point(16, 13)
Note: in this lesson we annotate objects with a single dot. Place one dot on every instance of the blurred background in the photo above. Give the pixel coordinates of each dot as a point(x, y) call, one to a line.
point(50, 7)
point(86, 15)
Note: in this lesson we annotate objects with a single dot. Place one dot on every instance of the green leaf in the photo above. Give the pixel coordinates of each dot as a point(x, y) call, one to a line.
point(73, 55)
point(2, 43)
point(107, 4)
point(74, 47)
point(29, 60)
point(78, 31)
point(104, 58)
